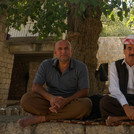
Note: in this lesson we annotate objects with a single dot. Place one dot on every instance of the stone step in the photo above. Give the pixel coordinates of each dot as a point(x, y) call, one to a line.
point(12, 110)
point(10, 115)
point(10, 126)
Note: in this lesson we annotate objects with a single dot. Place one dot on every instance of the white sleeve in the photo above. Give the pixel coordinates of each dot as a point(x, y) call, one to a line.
point(114, 88)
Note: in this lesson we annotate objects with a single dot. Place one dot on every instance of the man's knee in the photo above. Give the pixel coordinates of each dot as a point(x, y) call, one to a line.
point(27, 99)
point(105, 102)
point(24, 100)
point(85, 105)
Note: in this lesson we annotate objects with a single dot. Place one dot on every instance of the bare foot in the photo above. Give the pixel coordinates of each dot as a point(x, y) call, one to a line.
point(113, 119)
point(109, 120)
point(24, 122)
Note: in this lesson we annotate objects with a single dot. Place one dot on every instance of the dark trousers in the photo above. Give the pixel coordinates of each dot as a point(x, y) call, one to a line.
point(95, 113)
point(110, 106)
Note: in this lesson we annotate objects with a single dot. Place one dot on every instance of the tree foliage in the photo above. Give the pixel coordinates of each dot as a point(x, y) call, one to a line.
point(115, 28)
point(49, 15)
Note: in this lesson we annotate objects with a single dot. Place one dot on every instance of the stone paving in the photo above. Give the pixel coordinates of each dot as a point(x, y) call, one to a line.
point(12, 111)
point(10, 115)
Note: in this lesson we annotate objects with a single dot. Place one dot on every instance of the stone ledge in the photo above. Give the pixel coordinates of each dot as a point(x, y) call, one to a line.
point(9, 125)
point(12, 110)
point(10, 115)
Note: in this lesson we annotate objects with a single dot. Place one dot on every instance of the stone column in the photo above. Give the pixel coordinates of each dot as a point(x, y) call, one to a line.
point(6, 65)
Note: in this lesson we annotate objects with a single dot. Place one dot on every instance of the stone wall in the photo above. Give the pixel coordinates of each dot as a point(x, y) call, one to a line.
point(110, 49)
point(33, 67)
point(6, 64)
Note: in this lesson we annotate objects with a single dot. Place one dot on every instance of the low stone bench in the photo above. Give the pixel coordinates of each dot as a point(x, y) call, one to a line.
point(9, 117)
point(9, 125)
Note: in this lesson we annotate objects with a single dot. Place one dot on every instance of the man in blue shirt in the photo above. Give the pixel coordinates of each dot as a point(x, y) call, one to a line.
point(66, 92)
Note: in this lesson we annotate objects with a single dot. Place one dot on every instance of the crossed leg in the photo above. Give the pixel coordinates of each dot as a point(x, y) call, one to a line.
point(111, 110)
point(36, 105)
point(39, 108)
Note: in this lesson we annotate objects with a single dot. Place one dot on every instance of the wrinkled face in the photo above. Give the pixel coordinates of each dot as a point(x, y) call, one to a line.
point(63, 51)
point(129, 54)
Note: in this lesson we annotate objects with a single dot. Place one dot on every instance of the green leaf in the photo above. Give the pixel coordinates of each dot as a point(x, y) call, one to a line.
point(82, 7)
point(94, 2)
point(124, 6)
point(119, 13)
point(119, 2)
point(121, 18)
point(112, 17)
point(106, 1)
point(50, 15)
point(126, 13)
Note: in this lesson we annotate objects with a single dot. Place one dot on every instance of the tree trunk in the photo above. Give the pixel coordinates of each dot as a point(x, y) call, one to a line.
point(83, 33)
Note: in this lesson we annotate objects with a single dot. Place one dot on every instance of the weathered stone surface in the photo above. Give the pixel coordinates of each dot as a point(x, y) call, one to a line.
point(107, 130)
point(131, 129)
point(30, 45)
point(2, 128)
point(9, 125)
point(59, 128)
point(110, 49)
point(13, 111)
point(12, 127)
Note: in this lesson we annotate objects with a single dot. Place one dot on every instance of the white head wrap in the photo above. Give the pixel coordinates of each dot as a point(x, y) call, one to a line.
point(129, 40)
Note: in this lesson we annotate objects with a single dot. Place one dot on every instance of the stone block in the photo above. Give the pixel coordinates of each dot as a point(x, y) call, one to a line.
point(2, 128)
point(1, 49)
point(7, 81)
point(2, 86)
point(101, 129)
point(5, 50)
point(110, 49)
point(131, 129)
point(10, 126)
point(3, 81)
point(59, 128)
point(1, 58)
point(2, 111)
point(10, 66)
point(3, 70)
point(13, 128)
point(3, 102)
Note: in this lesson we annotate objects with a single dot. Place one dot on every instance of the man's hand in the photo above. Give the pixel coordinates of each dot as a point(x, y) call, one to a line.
point(129, 110)
point(57, 102)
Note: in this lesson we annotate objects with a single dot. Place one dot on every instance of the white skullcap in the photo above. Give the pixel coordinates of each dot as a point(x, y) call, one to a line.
point(129, 40)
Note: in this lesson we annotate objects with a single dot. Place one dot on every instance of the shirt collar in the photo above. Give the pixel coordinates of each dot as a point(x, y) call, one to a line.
point(56, 62)
point(72, 63)
point(124, 62)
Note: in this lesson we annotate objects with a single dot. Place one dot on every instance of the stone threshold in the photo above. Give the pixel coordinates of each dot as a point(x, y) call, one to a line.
point(16, 110)
point(9, 125)
point(10, 115)
point(12, 110)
